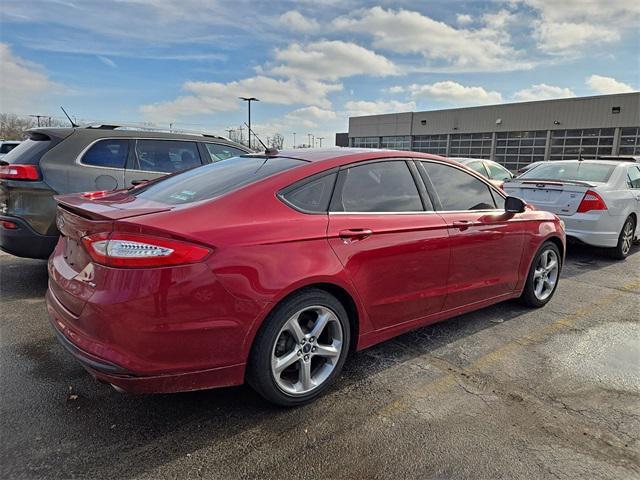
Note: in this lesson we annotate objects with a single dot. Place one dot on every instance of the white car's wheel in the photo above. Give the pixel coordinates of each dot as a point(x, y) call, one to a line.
point(625, 239)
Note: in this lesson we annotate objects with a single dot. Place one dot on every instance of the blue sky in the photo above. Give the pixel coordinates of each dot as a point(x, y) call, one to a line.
point(311, 63)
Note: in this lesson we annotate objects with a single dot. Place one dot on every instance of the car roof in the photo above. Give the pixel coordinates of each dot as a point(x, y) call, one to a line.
point(345, 155)
point(110, 131)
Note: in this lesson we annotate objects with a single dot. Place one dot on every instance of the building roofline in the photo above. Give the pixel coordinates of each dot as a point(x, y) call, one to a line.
point(494, 105)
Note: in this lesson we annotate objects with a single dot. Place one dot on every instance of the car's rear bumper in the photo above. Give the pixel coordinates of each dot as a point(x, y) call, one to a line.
point(124, 378)
point(593, 228)
point(24, 241)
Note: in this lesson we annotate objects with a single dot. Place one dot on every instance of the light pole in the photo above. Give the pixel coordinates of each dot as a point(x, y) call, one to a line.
point(249, 100)
point(294, 139)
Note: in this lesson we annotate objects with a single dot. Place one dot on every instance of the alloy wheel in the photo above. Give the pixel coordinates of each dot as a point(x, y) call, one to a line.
point(627, 237)
point(545, 275)
point(307, 350)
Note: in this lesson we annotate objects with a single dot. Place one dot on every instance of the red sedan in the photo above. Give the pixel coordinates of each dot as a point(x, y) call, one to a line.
point(271, 268)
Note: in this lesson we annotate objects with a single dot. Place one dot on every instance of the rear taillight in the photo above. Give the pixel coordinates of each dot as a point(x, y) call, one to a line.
point(19, 172)
point(591, 201)
point(9, 225)
point(98, 194)
point(133, 250)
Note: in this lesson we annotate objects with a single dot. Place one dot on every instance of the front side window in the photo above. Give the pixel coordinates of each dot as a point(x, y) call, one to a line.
point(166, 156)
point(111, 153)
point(378, 187)
point(633, 177)
point(457, 190)
point(222, 152)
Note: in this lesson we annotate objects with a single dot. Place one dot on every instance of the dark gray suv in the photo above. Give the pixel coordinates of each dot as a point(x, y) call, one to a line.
point(54, 161)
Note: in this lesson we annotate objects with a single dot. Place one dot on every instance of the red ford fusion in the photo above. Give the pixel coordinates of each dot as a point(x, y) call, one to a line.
point(271, 268)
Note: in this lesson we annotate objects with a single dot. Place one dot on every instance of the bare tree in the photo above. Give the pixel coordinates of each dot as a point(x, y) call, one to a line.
point(277, 141)
point(13, 127)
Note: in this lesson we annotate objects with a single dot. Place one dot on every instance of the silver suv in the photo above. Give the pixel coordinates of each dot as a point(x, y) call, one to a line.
point(54, 161)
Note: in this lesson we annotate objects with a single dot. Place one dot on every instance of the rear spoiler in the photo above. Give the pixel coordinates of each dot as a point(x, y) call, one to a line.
point(559, 183)
point(111, 207)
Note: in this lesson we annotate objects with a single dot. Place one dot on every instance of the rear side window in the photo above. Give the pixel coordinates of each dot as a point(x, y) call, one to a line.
point(458, 190)
point(378, 187)
point(497, 172)
point(166, 156)
point(222, 152)
point(314, 196)
point(214, 179)
point(633, 177)
point(29, 152)
point(580, 171)
point(111, 153)
point(7, 147)
point(477, 167)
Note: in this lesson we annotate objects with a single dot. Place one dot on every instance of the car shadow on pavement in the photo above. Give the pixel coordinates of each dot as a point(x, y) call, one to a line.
point(22, 279)
point(581, 258)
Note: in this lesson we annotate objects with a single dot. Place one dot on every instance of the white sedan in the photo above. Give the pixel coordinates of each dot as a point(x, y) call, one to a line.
point(598, 200)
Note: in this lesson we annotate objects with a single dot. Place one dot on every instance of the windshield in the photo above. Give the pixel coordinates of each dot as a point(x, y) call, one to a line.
point(579, 171)
point(208, 181)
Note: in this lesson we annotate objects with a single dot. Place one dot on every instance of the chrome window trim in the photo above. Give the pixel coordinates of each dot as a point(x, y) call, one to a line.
point(79, 161)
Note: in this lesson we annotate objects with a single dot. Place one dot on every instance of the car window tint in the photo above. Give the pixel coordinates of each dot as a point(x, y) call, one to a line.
point(28, 152)
point(110, 153)
point(379, 187)
point(222, 152)
point(313, 196)
point(580, 171)
point(7, 147)
point(458, 190)
point(477, 167)
point(633, 177)
point(166, 156)
point(497, 172)
point(213, 179)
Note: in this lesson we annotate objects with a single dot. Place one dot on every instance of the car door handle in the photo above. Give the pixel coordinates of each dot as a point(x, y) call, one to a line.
point(355, 233)
point(462, 224)
point(135, 183)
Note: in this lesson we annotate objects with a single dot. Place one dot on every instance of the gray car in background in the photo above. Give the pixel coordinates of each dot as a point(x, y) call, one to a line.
point(55, 161)
point(598, 200)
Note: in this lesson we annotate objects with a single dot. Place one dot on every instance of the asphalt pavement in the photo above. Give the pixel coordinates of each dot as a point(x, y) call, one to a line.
point(504, 392)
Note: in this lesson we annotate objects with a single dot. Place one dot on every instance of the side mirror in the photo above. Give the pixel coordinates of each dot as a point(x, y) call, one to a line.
point(513, 205)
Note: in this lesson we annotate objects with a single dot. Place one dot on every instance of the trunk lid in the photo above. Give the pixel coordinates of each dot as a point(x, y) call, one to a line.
point(71, 270)
point(561, 197)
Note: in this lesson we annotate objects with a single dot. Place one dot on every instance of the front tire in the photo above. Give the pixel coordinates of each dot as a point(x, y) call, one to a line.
point(300, 349)
point(543, 276)
point(625, 240)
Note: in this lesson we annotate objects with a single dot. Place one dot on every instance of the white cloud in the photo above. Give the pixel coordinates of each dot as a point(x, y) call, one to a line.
point(212, 97)
point(297, 22)
point(402, 31)
point(330, 60)
point(107, 61)
point(464, 19)
point(542, 91)
point(454, 93)
point(570, 26)
point(607, 85)
point(23, 85)
point(362, 107)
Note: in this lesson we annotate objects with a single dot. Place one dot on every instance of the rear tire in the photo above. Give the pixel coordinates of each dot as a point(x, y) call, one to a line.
point(300, 348)
point(543, 276)
point(625, 240)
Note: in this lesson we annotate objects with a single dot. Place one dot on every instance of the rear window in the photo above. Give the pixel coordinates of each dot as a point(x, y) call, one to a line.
point(214, 179)
point(29, 151)
point(579, 171)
